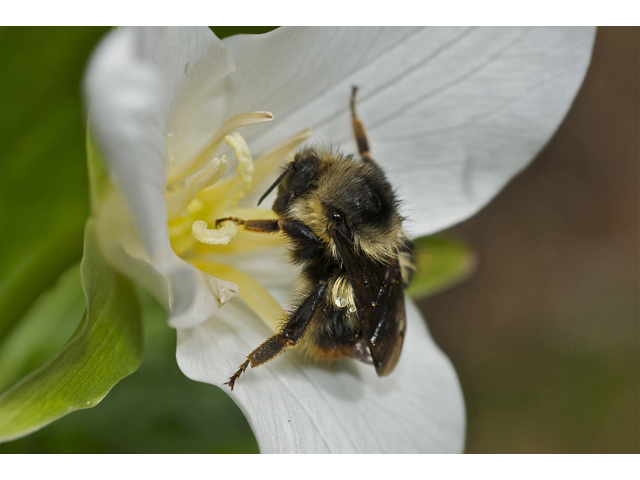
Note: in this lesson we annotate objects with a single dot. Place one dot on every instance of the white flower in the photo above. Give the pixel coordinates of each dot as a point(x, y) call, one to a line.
point(452, 114)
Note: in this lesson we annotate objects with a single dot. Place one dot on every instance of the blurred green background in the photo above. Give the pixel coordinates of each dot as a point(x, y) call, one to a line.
point(545, 335)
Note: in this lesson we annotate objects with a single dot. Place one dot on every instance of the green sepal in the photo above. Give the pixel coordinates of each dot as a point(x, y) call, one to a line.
point(106, 347)
point(43, 181)
point(440, 262)
point(100, 184)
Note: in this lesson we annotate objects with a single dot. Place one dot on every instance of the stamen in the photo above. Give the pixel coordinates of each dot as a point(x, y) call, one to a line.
point(245, 167)
point(214, 236)
point(179, 200)
point(211, 147)
point(242, 183)
point(265, 165)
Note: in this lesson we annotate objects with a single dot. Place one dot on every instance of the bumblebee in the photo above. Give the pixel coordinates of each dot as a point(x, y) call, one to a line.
point(340, 217)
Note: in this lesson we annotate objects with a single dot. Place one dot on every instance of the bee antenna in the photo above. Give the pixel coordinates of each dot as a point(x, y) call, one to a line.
point(352, 103)
point(276, 183)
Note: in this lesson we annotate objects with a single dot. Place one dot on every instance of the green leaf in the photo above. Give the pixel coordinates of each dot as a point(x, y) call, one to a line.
point(441, 262)
point(179, 415)
point(44, 330)
point(43, 176)
point(106, 347)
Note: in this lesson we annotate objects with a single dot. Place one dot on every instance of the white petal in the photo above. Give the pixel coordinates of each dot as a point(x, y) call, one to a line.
point(452, 113)
point(201, 293)
point(128, 111)
point(135, 82)
point(294, 406)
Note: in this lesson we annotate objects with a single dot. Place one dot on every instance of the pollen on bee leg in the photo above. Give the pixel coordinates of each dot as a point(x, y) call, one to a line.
point(341, 301)
point(342, 293)
point(214, 236)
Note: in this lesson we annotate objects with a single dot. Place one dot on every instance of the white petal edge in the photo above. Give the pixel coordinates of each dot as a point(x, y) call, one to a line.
point(452, 113)
point(136, 79)
point(294, 406)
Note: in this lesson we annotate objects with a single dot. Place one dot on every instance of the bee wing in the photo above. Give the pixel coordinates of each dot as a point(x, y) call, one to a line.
point(379, 298)
point(382, 314)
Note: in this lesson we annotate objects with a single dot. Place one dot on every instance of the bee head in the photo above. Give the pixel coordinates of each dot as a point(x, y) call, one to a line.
point(295, 179)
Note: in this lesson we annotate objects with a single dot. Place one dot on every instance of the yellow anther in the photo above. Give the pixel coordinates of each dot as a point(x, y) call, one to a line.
point(214, 236)
point(210, 148)
point(245, 162)
point(242, 183)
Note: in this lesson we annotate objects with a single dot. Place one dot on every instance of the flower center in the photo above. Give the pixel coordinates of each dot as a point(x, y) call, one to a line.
point(197, 196)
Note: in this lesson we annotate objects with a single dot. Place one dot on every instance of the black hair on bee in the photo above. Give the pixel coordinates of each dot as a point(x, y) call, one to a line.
point(340, 217)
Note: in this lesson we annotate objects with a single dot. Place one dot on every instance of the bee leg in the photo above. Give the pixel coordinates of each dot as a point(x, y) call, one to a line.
point(359, 132)
point(261, 226)
point(290, 335)
point(234, 377)
point(299, 232)
point(294, 229)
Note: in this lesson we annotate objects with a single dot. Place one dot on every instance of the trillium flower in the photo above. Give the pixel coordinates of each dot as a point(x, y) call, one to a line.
point(452, 114)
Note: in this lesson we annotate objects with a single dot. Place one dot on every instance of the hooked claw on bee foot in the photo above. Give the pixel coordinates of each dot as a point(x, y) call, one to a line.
point(234, 377)
point(236, 220)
